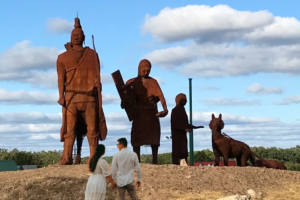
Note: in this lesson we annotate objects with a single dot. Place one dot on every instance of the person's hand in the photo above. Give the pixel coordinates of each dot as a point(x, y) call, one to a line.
point(188, 130)
point(61, 101)
point(138, 184)
point(113, 186)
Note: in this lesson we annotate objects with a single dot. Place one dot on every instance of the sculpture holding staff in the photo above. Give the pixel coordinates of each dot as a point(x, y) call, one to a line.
point(79, 85)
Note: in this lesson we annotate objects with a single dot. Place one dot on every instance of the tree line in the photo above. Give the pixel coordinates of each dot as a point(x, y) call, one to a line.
point(289, 157)
point(41, 159)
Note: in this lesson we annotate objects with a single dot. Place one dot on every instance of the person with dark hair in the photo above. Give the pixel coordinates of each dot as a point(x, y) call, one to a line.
point(96, 185)
point(122, 167)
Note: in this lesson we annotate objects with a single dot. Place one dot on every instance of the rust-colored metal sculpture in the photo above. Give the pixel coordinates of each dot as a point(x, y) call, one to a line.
point(127, 96)
point(179, 128)
point(145, 124)
point(226, 147)
point(79, 85)
point(274, 164)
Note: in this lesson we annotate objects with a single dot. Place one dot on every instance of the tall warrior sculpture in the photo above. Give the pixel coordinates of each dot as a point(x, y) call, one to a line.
point(145, 125)
point(79, 85)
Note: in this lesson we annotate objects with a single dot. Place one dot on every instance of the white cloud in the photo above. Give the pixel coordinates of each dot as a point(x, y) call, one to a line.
point(225, 42)
point(290, 100)
point(29, 118)
point(281, 31)
point(27, 97)
point(204, 23)
point(22, 57)
point(230, 102)
point(29, 64)
point(110, 99)
point(59, 26)
point(26, 132)
point(41, 98)
point(35, 65)
point(259, 89)
point(233, 119)
point(222, 60)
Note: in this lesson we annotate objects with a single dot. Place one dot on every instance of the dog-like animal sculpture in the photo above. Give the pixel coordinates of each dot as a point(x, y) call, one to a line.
point(226, 147)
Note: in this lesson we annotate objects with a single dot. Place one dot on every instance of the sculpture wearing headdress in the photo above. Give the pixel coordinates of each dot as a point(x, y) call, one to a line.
point(146, 126)
point(80, 95)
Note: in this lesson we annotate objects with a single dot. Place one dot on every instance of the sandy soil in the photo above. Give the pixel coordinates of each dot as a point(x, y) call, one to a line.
point(158, 182)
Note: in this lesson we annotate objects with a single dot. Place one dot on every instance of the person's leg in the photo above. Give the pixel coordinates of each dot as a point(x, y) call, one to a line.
point(121, 191)
point(154, 154)
point(137, 150)
point(131, 189)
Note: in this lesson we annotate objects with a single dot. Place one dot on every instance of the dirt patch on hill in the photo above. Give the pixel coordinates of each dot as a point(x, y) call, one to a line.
point(158, 182)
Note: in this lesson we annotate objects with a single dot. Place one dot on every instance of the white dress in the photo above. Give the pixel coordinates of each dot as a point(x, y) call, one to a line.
point(96, 185)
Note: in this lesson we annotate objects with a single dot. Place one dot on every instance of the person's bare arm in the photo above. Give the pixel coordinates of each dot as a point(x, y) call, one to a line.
point(113, 184)
point(114, 168)
point(61, 74)
point(106, 174)
point(138, 171)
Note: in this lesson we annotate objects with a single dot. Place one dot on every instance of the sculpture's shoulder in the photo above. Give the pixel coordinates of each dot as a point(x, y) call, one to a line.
point(178, 109)
point(130, 81)
point(89, 50)
point(152, 81)
point(63, 55)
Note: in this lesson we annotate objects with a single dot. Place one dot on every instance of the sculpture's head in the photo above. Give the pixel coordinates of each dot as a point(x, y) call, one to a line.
point(216, 123)
point(77, 35)
point(144, 68)
point(180, 99)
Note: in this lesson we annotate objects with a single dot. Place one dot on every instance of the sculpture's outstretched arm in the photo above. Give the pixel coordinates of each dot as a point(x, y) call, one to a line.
point(194, 127)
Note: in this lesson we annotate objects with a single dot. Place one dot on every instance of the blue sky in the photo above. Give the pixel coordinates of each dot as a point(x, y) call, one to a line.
point(243, 58)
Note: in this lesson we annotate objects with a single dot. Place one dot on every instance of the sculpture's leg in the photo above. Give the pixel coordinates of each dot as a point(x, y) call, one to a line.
point(175, 161)
point(244, 160)
point(137, 150)
point(217, 157)
point(252, 160)
point(238, 161)
point(225, 159)
point(154, 154)
point(69, 137)
point(90, 117)
point(79, 145)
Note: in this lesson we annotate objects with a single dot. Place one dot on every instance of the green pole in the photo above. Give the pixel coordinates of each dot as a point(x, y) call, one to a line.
point(191, 122)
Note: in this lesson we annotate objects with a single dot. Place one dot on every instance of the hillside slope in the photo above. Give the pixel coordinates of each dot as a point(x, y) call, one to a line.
point(158, 182)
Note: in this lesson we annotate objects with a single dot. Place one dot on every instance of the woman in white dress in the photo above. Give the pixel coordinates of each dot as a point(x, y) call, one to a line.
point(96, 185)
